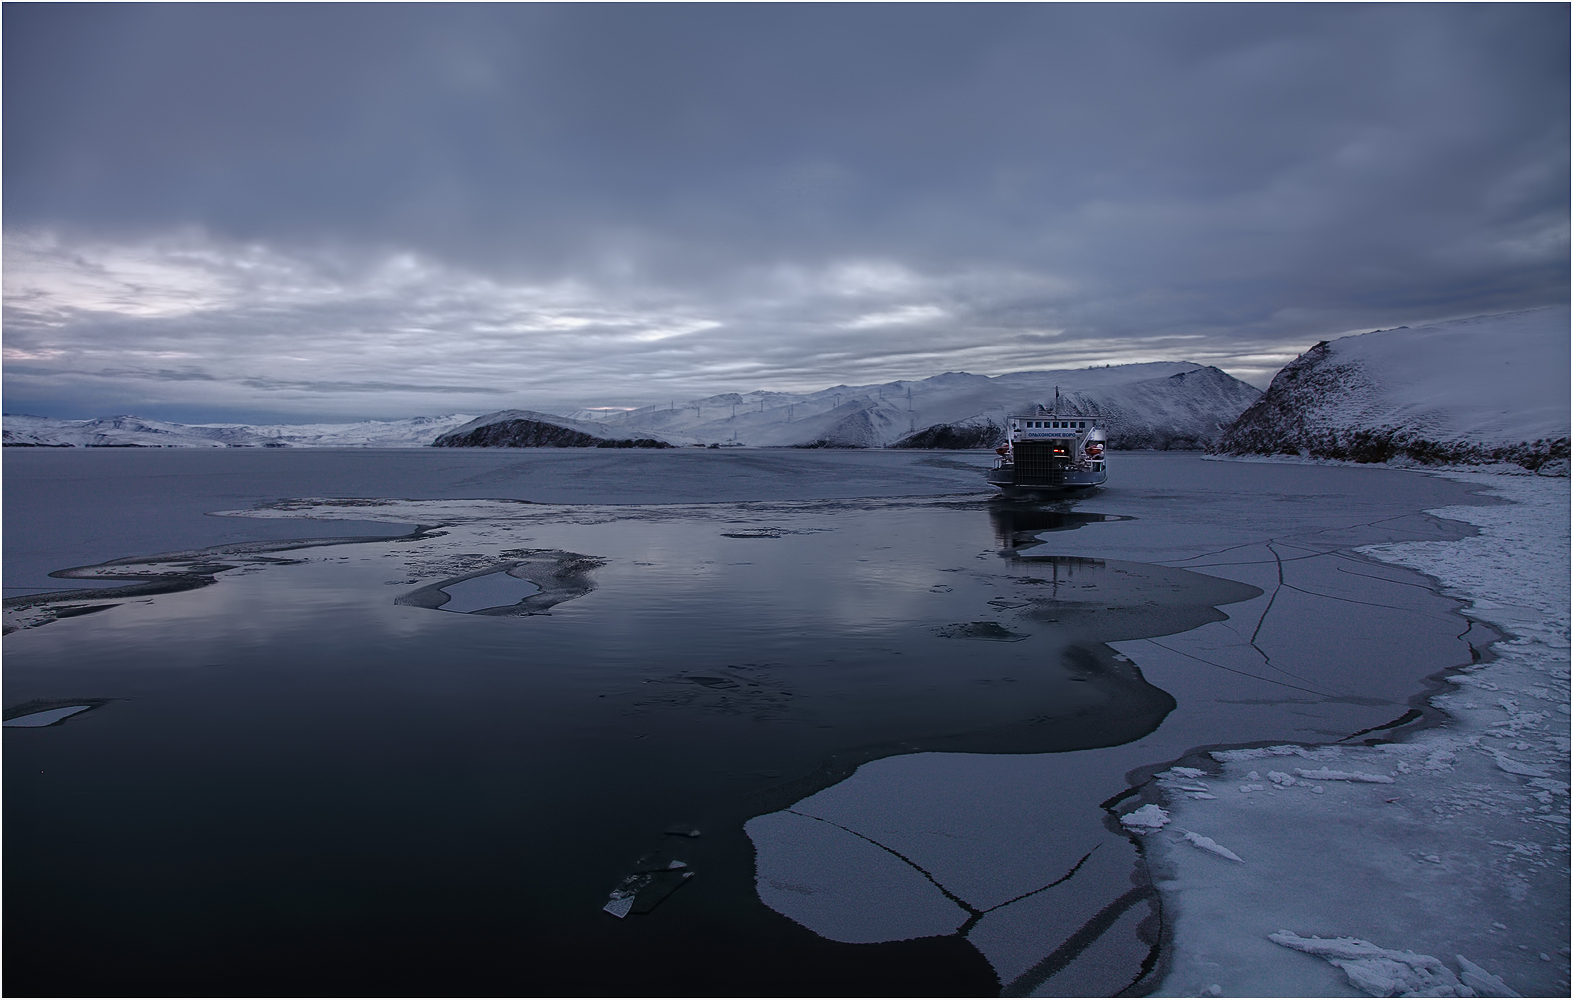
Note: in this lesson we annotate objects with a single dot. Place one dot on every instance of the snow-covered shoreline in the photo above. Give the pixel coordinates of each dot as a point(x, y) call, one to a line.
point(1450, 845)
point(1556, 469)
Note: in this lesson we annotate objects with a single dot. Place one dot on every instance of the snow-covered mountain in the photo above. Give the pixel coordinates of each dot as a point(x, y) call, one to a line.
point(135, 432)
point(1156, 405)
point(1485, 389)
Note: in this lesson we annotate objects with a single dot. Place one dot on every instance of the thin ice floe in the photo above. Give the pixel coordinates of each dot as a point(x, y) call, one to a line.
point(36, 720)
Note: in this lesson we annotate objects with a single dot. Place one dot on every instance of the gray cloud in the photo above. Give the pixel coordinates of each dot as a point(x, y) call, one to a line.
point(320, 206)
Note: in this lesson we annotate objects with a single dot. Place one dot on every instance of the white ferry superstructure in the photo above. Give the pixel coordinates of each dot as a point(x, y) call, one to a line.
point(1046, 452)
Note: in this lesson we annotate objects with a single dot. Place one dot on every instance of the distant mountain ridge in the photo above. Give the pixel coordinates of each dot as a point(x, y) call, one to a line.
point(1159, 405)
point(1471, 391)
point(1165, 404)
point(21, 430)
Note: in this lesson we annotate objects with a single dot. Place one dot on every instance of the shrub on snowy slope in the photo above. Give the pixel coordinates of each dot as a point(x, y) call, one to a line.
point(1473, 391)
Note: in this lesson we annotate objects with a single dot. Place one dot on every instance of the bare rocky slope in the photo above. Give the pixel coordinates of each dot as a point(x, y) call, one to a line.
point(1473, 391)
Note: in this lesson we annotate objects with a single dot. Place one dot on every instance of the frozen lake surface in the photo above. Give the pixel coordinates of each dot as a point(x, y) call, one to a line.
point(303, 770)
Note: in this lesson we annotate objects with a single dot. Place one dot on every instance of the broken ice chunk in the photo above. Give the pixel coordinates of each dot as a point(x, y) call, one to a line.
point(621, 900)
point(1326, 774)
point(1483, 982)
point(1210, 845)
point(662, 884)
point(644, 891)
point(1379, 971)
point(1280, 779)
point(1188, 772)
point(1505, 762)
point(657, 861)
point(618, 906)
point(1147, 819)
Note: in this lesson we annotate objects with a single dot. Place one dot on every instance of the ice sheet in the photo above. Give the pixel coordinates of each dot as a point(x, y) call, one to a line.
point(1441, 843)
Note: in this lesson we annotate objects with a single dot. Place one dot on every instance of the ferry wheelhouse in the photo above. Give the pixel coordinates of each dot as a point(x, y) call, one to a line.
point(1047, 452)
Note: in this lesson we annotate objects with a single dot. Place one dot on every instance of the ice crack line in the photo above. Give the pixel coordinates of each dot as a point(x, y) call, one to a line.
point(1380, 579)
point(1369, 604)
point(974, 914)
point(1247, 673)
point(1267, 660)
point(1025, 984)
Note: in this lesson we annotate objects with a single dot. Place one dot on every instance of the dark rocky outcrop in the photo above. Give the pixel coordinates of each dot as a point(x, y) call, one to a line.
point(955, 436)
point(524, 429)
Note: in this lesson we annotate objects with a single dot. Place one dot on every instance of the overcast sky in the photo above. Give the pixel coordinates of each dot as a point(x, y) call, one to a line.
point(308, 211)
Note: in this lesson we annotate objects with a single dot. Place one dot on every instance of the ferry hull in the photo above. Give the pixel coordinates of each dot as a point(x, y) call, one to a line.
point(1066, 482)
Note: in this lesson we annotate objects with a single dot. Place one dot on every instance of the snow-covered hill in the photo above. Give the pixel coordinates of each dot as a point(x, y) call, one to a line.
point(1157, 405)
point(1485, 389)
point(135, 432)
point(532, 429)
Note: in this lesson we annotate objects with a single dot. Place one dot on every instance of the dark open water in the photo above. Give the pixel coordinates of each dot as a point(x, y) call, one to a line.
point(296, 784)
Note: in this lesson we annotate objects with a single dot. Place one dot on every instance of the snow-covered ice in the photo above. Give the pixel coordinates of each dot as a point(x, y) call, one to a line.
point(1443, 842)
point(1381, 972)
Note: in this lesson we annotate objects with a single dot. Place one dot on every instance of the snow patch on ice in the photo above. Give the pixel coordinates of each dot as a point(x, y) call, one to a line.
point(1148, 819)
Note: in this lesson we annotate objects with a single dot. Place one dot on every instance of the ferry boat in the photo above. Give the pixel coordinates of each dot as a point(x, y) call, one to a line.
point(1048, 452)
